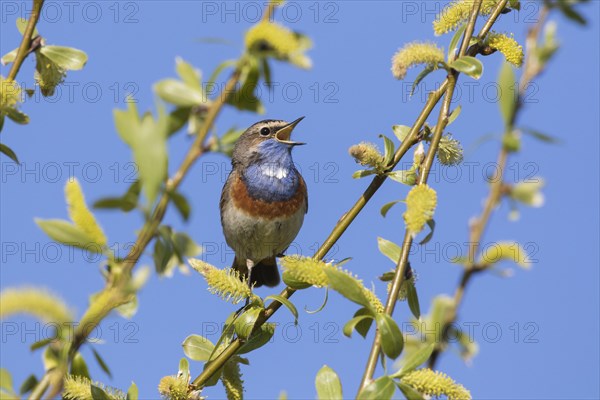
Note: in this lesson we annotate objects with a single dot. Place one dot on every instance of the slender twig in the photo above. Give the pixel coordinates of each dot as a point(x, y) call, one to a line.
point(25, 45)
point(479, 224)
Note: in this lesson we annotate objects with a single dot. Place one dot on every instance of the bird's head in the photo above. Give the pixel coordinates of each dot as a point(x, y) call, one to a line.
point(266, 140)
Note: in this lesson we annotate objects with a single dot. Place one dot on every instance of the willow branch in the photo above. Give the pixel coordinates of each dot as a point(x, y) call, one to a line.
point(25, 45)
point(479, 225)
point(344, 222)
point(115, 294)
point(440, 126)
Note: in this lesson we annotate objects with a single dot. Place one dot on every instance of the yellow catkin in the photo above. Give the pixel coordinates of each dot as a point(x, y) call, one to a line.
point(420, 206)
point(80, 388)
point(499, 251)
point(310, 271)
point(80, 213)
point(413, 54)
point(173, 388)
point(450, 151)
point(10, 93)
point(232, 381)
point(36, 302)
point(304, 269)
point(366, 153)
point(508, 46)
point(457, 13)
point(279, 42)
point(278, 38)
point(433, 383)
point(225, 283)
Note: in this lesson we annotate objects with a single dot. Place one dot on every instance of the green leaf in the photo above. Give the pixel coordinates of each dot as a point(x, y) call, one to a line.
point(412, 298)
point(401, 131)
point(184, 369)
point(178, 93)
point(431, 225)
point(42, 343)
point(197, 348)
point(266, 72)
point(22, 27)
point(347, 286)
point(9, 57)
point(48, 74)
point(147, 138)
point(351, 325)
point(7, 151)
point(363, 326)
point(79, 366)
point(64, 232)
point(244, 99)
point(454, 43)
point(389, 150)
point(99, 393)
point(126, 203)
point(468, 65)
point(290, 306)
point(328, 384)
point(66, 58)
point(245, 323)
point(101, 363)
point(420, 77)
point(220, 68)
point(363, 172)
point(409, 392)
point(6, 380)
point(417, 358)
point(322, 306)
point(540, 136)
point(454, 114)
point(17, 116)
point(28, 384)
point(259, 338)
point(569, 12)
point(188, 74)
point(406, 177)
point(508, 101)
point(181, 204)
point(382, 388)
point(389, 249)
point(132, 392)
point(386, 207)
point(392, 341)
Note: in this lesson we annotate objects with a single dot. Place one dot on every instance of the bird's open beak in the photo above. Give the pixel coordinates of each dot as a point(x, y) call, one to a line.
point(283, 135)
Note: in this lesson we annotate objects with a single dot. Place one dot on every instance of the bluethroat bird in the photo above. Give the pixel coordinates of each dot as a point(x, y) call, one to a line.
point(263, 201)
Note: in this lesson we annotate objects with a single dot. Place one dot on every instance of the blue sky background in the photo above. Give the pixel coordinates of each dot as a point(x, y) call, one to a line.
point(554, 307)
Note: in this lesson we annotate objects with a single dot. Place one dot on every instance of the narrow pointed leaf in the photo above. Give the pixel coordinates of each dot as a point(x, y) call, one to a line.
point(413, 299)
point(387, 207)
point(392, 341)
point(101, 363)
point(382, 388)
point(7, 151)
point(469, 66)
point(290, 306)
point(389, 249)
point(416, 359)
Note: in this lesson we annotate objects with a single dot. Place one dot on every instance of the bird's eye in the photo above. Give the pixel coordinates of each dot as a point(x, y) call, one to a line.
point(265, 131)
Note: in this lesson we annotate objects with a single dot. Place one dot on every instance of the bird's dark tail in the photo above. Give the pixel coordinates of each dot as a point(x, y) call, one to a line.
point(263, 273)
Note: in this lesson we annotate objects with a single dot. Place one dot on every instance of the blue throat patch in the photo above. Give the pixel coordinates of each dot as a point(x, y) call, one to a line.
point(273, 176)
